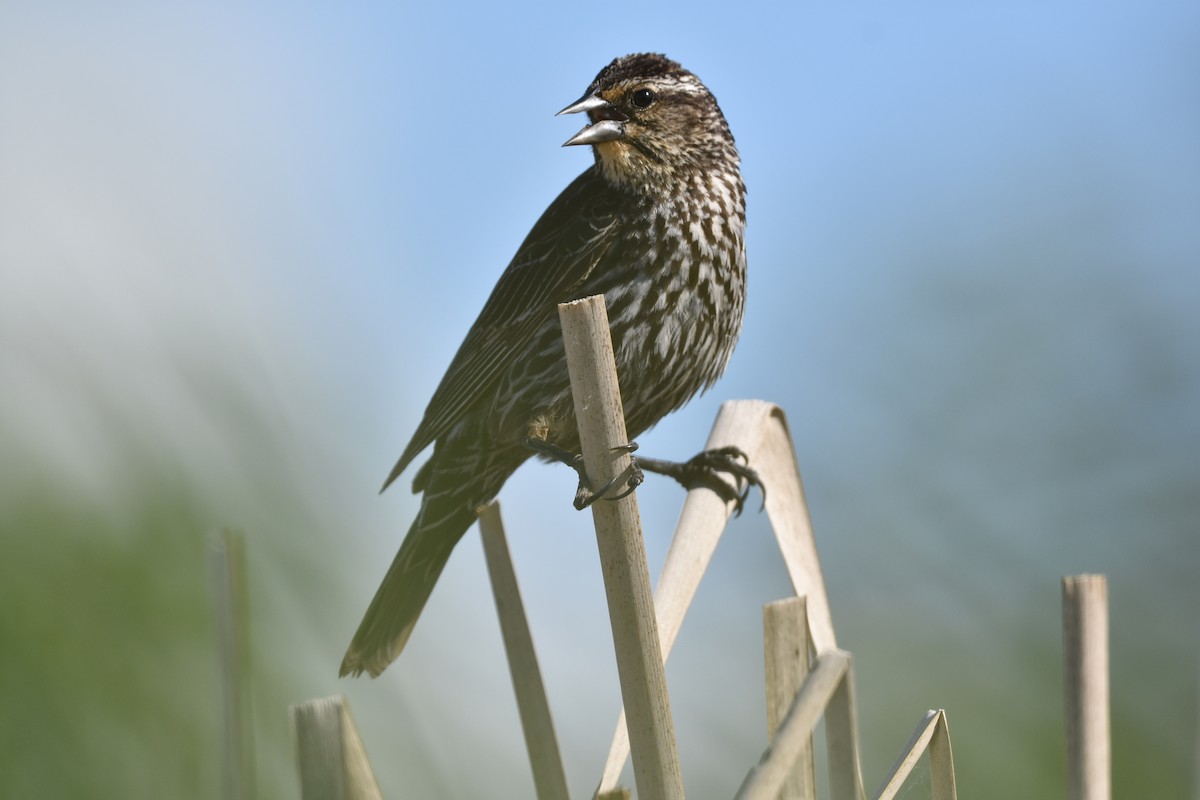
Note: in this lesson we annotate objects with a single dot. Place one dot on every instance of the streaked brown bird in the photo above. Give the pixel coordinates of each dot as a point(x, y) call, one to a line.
point(656, 226)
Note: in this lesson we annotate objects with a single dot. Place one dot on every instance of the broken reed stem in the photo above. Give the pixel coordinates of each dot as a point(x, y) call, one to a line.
point(601, 425)
point(932, 736)
point(1085, 679)
point(785, 646)
point(549, 780)
point(765, 779)
point(761, 430)
point(227, 555)
point(329, 752)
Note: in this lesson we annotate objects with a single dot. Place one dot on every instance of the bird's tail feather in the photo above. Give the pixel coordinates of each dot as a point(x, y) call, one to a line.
point(409, 581)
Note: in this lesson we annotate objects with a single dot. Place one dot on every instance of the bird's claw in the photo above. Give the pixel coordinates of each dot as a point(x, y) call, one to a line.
point(701, 471)
point(631, 477)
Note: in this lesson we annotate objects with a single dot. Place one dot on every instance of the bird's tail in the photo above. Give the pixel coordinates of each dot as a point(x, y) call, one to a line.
point(409, 581)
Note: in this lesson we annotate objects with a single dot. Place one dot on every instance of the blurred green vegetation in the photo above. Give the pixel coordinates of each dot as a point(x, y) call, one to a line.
point(109, 663)
point(109, 670)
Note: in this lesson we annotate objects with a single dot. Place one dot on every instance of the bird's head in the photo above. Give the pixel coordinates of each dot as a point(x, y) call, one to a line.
point(650, 120)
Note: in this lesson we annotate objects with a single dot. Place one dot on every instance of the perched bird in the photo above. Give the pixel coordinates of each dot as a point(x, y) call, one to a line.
point(656, 226)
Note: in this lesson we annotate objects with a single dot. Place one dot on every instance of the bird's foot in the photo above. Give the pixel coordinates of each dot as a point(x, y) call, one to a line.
point(585, 495)
point(701, 471)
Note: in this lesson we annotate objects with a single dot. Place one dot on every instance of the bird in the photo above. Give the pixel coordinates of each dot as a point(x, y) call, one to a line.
point(656, 225)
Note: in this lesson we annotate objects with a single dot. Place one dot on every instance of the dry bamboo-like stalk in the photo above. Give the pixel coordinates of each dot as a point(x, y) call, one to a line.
point(841, 739)
point(549, 780)
point(828, 675)
point(620, 793)
point(760, 429)
point(941, 762)
point(329, 753)
point(785, 646)
point(788, 512)
point(601, 423)
point(228, 558)
point(933, 736)
point(1085, 678)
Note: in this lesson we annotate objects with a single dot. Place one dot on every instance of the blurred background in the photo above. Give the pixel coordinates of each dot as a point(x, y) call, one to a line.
point(239, 246)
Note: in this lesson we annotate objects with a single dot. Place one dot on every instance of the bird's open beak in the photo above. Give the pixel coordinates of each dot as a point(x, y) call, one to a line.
point(607, 123)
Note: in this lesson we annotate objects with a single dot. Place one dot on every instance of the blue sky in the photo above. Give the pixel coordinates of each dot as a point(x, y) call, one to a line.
point(973, 253)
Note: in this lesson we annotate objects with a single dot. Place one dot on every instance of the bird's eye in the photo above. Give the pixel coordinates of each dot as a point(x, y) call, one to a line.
point(642, 98)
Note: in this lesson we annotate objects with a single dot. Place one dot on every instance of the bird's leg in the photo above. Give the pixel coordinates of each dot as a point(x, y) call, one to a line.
point(702, 471)
point(585, 495)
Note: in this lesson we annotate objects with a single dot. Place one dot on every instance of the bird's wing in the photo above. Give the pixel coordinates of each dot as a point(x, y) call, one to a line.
point(555, 259)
